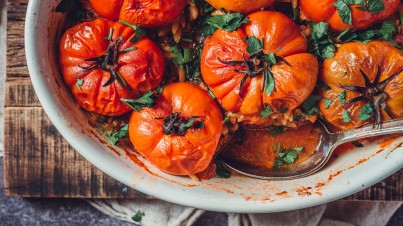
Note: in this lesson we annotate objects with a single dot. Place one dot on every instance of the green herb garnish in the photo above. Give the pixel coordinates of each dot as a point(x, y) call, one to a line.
point(121, 133)
point(309, 106)
point(79, 83)
point(365, 112)
point(147, 100)
point(266, 112)
point(137, 217)
point(228, 22)
point(346, 116)
point(328, 102)
point(285, 156)
point(342, 97)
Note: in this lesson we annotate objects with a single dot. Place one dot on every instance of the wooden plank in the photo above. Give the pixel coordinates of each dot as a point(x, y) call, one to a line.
point(20, 93)
point(16, 63)
point(40, 163)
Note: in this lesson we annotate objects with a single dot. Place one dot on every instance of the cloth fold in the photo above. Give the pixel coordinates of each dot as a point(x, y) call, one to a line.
point(338, 213)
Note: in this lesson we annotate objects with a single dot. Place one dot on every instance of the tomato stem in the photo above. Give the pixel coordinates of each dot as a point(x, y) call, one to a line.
point(374, 94)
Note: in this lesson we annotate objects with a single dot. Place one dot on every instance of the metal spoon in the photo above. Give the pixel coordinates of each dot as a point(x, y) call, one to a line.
point(327, 144)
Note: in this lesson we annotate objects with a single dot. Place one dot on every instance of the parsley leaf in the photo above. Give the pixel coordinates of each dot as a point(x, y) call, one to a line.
point(384, 31)
point(254, 44)
point(346, 116)
point(147, 100)
point(137, 217)
point(375, 6)
point(342, 97)
point(285, 156)
point(328, 102)
point(271, 58)
point(115, 137)
point(268, 79)
point(310, 104)
point(365, 112)
point(188, 59)
point(266, 112)
point(228, 22)
point(79, 83)
point(322, 44)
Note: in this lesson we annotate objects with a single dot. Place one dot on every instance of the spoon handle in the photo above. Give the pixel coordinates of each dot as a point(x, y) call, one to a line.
point(390, 127)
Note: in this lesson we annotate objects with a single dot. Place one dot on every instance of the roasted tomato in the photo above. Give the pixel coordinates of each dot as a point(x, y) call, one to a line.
point(180, 133)
point(147, 13)
point(325, 11)
point(366, 84)
point(241, 6)
point(101, 65)
point(236, 77)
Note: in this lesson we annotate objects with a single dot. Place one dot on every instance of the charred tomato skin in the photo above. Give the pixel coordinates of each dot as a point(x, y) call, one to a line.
point(186, 154)
point(142, 68)
point(325, 11)
point(293, 81)
point(240, 6)
point(144, 12)
point(344, 69)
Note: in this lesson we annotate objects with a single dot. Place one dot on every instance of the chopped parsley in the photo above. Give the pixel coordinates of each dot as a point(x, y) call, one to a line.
point(346, 116)
point(328, 102)
point(147, 100)
point(188, 59)
point(322, 44)
point(344, 10)
point(384, 31)
point(225, 120)
point(285, 156)
point(309, 106)
point(342, 97)
point(79, 83)
point(137, 217)
point(228, 22)
point(254, 44)
point(268, 79)
point(365, 112)
point(266, 112)
point(121, 133)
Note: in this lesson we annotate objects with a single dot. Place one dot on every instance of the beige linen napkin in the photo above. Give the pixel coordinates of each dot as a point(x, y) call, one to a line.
point(338, 213)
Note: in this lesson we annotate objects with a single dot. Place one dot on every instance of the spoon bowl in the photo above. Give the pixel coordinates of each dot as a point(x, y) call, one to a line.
point(327, 143)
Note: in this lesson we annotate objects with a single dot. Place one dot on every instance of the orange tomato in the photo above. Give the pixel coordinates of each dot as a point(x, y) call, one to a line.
point(147, 13)
point(344, 70)
point(178, 153)
point(83, 51)
point(241, 6)
point(325, 11)
point(294, 77)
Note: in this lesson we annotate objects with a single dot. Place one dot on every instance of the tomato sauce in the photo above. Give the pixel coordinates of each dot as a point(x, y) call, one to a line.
point(256, 147)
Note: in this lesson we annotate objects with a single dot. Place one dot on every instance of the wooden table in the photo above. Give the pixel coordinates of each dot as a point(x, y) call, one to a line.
point(40, 163)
